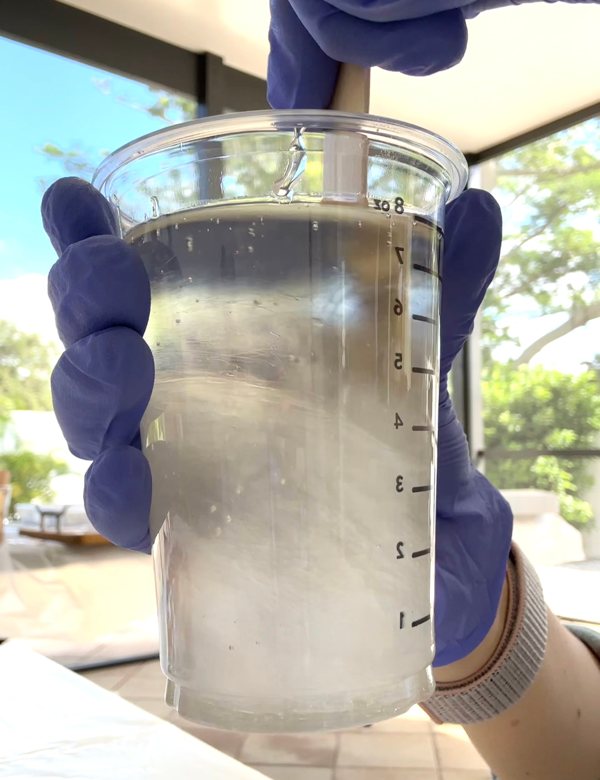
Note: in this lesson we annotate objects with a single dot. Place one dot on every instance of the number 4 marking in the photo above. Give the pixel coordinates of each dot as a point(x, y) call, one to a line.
point(399, 255)
point(398, 422)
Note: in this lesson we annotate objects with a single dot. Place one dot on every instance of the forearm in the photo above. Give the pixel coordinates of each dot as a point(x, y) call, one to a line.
point(553, 731)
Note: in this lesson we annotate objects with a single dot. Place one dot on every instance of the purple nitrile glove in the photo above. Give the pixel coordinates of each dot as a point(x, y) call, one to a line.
point(473, 520)
point(102, 383)
point(309, 38)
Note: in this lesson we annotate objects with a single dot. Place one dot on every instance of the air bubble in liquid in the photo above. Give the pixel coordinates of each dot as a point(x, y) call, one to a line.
point(189, 243)
point(250, 249)
point(315, 225)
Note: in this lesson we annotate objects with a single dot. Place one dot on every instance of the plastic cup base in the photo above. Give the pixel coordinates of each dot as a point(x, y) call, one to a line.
point(317, 713)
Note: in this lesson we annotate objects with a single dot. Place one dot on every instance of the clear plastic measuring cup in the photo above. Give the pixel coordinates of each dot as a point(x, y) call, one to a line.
point(293, 259)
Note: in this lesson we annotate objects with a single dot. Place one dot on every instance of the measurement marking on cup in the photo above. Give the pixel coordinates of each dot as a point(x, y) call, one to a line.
point(420, 621)
point(422, 318)
point(423, 428)
point(421, 488)
point(421, 553)
point(426, 270)
point(421, 370)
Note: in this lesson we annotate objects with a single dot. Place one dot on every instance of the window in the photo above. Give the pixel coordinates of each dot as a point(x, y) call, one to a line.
point(75, 603)
point(538, 342)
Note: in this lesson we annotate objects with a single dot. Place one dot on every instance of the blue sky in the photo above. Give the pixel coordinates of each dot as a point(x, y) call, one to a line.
point(50, 99)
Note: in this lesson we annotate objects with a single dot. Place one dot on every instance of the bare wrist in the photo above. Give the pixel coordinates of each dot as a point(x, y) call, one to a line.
point(478, 658)
point(501, 669)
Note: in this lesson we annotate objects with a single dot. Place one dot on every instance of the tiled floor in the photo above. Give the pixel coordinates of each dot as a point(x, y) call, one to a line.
point(406, 748)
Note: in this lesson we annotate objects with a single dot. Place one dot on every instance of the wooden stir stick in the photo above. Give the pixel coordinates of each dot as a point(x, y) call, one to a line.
point(346, 153)
point(352, 90)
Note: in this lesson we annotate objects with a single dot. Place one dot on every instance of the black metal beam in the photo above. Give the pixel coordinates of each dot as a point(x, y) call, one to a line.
point(227, 89)
point(244, 92)
point(78, 35)
point(562, 123)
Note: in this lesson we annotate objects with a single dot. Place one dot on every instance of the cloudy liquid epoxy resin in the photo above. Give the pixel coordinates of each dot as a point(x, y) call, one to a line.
point(291, 440)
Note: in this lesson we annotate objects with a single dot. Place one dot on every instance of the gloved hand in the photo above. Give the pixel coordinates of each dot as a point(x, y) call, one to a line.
point(473, 520)
point(103, 381)
point(309, 38)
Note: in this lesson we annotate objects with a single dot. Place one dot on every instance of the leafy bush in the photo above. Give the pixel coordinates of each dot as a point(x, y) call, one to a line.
point(31, 475)
point(532, 408)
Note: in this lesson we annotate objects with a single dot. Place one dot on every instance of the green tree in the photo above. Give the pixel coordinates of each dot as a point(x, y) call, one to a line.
point(31, 474)
point(25, 364)
point(79, 160)
point(550, 191)
point(531, 408)
point(255, 172)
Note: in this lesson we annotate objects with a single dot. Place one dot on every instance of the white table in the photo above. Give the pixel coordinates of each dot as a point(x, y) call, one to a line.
point(57, 724)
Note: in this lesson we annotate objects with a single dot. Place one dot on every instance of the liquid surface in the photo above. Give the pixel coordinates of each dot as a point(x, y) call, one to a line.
point(290, 435)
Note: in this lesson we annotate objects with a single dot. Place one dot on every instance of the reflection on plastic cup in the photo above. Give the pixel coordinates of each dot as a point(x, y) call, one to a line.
point(291, 432)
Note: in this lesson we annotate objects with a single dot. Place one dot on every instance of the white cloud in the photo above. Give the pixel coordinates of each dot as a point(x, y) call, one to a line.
point(25, 303)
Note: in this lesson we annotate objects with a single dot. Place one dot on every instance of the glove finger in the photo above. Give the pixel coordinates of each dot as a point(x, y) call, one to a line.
point(117, 497)
point(475, 8)
point(472, 241)
point(73, 210)
point(396, 10)
point(101, 386)
point(299, 73)
point(415, 46)
point(98, 283)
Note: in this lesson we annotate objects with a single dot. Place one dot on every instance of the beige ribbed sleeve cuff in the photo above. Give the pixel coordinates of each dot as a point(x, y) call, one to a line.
point(514, 664)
